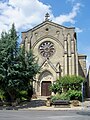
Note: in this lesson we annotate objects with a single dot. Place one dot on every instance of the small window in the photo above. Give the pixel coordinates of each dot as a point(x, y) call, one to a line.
point(47, 29)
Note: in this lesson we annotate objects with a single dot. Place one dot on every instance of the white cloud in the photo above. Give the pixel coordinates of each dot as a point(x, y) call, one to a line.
point(78, 30)
point(24, 13)
point(68, 17)
point(28, 13)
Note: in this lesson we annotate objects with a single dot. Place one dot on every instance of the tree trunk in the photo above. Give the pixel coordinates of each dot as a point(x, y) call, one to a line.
point(12, 95)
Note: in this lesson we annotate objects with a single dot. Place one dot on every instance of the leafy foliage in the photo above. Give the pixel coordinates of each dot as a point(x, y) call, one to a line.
point(68, 87)
point(62, 96)
point(17, 67)
point(8, 48)
point(2, 97)
point(75, 95)
point(55, 97)
point(56, 88)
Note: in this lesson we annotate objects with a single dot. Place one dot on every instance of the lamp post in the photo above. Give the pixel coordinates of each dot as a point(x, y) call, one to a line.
point(82, 94)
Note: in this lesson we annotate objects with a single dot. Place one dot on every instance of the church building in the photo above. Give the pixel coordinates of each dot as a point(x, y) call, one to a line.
point(55, 46)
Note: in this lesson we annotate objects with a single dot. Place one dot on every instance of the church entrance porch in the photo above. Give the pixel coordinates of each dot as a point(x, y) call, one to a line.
point(45, 91)
point(44, 80)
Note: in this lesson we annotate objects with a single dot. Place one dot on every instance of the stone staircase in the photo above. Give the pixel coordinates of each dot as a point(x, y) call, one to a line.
point(42, 97)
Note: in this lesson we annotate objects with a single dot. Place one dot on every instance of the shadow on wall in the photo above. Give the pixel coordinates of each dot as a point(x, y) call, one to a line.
point(81, 73)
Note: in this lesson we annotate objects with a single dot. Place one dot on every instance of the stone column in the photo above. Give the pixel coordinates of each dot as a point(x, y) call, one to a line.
point(69, 54)
point(76, 56)
point(69, 44)
point(65, 64)
point(65, 58)
point(26, 44)
point(40, 88)
point(70, 64)
point(34, 87)
point(65, 46)
point(53, 92)
point(73, 57)
point(77, 64)
point(73, 64)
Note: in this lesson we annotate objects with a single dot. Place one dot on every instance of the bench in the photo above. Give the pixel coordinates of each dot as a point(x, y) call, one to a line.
point(61, 103)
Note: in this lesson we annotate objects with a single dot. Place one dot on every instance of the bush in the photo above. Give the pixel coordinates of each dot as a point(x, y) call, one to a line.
point(56, 88)
point(55, 97)
point(62, 96)
point(67, 82)
point(2, 96)
point(69, 95)
point(74, 95)
point(23, 95)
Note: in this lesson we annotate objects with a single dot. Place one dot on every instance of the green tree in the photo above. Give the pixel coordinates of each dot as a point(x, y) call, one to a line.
point(17, 67)
point(8, 55)
point(28, 68)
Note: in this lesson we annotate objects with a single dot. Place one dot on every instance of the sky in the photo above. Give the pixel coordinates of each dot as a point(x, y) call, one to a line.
point(26, 14)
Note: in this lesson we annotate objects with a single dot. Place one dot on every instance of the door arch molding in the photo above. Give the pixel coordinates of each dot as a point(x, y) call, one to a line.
point(46, 78)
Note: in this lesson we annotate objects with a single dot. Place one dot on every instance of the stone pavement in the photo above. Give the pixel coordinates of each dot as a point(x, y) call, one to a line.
point(54, 108)
point(83, 106)
point(39, 104)
point(83, 109)
point(80, 110)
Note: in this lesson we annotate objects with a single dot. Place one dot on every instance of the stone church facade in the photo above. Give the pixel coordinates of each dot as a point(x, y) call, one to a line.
point(56, 49)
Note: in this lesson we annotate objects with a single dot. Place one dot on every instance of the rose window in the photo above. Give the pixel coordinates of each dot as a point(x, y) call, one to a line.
point(47, 49)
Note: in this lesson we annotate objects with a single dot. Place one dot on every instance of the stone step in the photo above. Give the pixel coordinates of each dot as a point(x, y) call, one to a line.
point(42, 97)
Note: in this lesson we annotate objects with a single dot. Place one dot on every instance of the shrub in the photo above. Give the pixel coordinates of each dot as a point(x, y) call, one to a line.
point(2, 96)
point(75, 95)
point(56, 87)
point(23, 95)
point(62, 96)
point(69, 95)
point(55, 97)
point(71, 88)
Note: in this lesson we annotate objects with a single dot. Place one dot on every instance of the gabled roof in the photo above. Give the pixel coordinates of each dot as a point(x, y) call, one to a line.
point(50, 23)
point(49, 63)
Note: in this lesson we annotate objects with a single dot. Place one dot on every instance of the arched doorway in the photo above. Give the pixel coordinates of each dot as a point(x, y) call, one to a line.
point(46, 79)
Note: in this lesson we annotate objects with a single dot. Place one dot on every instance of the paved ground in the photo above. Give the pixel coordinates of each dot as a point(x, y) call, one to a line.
point(42, 115)
point(36, 110)
point(40, 105)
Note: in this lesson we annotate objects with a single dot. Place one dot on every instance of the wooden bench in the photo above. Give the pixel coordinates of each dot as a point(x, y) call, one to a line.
point(61, 103)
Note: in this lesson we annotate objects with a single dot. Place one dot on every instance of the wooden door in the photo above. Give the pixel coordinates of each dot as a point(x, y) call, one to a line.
point(45, 88)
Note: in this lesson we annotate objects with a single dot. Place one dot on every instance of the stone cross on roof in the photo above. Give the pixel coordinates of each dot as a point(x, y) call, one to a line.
point(47, 16)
